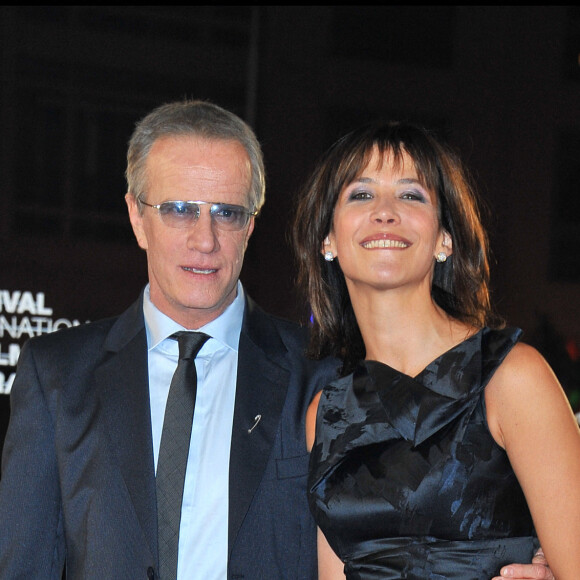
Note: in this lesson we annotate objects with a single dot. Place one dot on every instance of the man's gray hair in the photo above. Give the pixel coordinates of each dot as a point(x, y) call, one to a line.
point(196, 119)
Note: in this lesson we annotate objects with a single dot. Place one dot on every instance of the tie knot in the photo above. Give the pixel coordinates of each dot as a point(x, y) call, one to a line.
point(190, 343)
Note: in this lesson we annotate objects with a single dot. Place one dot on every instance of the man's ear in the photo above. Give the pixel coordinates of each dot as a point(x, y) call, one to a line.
point(249, 230)
point(136, 219)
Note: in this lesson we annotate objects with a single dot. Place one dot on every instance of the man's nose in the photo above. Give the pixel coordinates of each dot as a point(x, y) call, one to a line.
point(202, 234)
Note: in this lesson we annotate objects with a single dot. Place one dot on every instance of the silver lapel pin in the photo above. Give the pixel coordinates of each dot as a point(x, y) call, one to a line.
point(256, 421)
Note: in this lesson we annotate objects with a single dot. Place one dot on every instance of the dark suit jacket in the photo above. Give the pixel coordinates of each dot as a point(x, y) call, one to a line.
point(78, 482)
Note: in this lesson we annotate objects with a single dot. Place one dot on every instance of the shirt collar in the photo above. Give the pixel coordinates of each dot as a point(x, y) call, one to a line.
point(225, 328)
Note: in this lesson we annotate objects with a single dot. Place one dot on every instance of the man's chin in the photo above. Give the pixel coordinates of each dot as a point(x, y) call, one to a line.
point(206, 308)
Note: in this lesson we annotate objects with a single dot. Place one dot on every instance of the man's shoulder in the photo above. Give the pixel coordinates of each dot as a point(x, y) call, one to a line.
point(266, 326)
point(91, 334)
point(294, 337)
point(291, 329)
point(75, 336)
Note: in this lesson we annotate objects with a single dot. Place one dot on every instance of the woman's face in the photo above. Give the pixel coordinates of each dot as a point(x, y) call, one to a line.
point(385, 231)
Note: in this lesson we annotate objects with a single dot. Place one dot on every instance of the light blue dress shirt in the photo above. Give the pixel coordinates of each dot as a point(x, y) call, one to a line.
point(203, 536)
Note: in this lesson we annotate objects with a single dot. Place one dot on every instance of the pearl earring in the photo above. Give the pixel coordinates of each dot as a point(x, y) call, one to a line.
point(441, 257)
point(328, 256)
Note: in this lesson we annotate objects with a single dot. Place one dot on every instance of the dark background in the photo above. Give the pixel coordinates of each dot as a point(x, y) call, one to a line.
point(502, 84)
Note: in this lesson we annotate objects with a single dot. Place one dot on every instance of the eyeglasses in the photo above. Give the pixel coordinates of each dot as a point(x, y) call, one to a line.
point(184, 214)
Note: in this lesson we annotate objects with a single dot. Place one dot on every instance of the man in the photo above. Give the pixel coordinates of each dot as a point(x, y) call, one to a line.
point(78, 488)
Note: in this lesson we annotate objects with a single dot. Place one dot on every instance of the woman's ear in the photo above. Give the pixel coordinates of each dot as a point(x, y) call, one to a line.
point(444, 247)
point(326, 249)
point(447, 242)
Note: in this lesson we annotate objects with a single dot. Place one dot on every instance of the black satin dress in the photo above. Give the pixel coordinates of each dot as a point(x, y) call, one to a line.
point(406, 480)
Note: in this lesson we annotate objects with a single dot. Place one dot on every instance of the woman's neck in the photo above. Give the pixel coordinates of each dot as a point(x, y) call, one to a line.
point(405, 329)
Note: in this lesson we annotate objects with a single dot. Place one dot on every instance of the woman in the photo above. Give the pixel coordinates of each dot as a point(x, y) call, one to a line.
point(444, 428)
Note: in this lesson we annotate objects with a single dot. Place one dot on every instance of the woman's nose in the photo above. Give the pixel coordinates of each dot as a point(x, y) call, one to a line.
point(384, 211)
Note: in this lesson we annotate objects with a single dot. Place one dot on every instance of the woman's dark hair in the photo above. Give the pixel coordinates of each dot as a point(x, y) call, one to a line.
point(460, 285)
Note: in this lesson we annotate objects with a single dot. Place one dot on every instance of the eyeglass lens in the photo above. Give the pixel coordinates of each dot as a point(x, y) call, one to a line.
point(182, 214)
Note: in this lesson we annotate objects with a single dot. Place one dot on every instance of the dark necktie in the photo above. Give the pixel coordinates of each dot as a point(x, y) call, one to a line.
point(174, 450)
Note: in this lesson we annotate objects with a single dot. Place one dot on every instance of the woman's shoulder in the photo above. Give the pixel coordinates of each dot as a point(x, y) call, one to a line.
point(524, 363)
point(524, 385)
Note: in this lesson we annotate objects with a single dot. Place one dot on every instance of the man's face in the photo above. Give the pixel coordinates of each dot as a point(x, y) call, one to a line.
point(193, 272)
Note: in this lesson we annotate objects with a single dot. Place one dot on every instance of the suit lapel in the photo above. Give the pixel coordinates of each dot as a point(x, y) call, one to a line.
point(123, 382)
point(261, 390)
point(262, 382)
